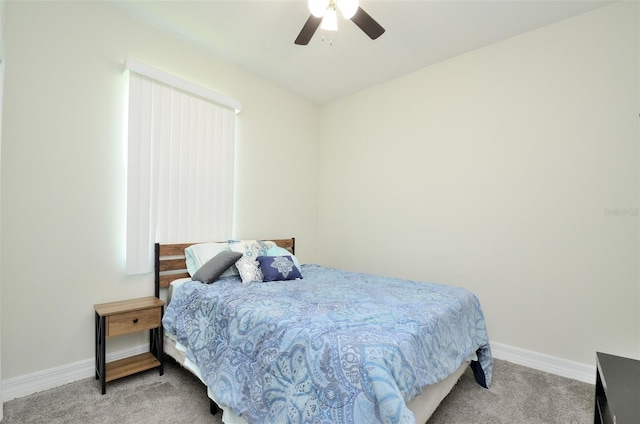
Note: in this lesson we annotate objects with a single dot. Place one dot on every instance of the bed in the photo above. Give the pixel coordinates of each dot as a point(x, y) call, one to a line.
point(333, 346)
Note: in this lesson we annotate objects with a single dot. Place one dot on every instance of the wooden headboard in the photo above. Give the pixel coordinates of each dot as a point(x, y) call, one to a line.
point(171, 265)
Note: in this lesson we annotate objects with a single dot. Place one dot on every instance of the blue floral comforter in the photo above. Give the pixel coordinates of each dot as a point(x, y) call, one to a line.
point(334, 347)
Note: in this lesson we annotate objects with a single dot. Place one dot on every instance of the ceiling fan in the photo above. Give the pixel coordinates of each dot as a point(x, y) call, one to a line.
point(324, 15)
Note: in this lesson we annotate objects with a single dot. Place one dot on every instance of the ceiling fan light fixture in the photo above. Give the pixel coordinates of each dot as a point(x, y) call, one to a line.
point(324, 16)
point(318, 7)
point(348, 7)
point(330, 20)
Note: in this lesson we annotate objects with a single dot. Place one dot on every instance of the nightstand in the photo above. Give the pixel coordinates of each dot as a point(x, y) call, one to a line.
point(126, 317)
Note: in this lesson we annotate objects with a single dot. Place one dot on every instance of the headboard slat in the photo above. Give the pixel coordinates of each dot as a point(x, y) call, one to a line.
point(172, 264)
point(166, 279)
point(173, 249)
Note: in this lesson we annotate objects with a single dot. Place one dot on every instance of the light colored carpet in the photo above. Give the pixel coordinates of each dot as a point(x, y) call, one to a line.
point(518, 395)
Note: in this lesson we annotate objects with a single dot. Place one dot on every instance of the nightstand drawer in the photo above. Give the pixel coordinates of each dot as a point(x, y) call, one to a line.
point(131, 322)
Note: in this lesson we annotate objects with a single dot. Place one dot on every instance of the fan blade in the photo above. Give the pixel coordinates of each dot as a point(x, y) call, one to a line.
point(367, 24)
point(308, 30)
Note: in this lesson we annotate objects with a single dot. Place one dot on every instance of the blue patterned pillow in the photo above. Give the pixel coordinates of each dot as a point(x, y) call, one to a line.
point(278, 268)
point(281, 251)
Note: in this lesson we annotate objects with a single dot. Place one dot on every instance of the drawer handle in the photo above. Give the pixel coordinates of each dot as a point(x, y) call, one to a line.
point(135, 320)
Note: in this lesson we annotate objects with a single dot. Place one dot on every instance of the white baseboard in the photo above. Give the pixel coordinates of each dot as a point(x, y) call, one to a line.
point(47, 379)
point(54, 377)
point(551, 364)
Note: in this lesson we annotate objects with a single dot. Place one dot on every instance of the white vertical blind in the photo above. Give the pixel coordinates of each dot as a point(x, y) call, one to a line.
point(180, 169)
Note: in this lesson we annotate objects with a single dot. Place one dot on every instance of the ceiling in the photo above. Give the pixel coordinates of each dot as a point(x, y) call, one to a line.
point(258, 36)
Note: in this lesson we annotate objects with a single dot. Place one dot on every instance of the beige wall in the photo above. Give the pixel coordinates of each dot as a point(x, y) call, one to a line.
point(63, 180)
point(496, 170)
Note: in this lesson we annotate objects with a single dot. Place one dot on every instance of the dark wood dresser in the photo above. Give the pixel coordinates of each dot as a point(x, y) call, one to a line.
point(617, 390)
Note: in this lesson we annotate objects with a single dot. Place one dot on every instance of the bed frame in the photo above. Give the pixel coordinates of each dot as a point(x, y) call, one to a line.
point(170, 261)
point(170, 265)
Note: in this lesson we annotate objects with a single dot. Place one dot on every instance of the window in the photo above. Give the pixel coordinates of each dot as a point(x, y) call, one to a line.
point(179, 164)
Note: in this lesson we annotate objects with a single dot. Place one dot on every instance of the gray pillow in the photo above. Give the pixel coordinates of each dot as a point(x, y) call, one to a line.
point(216, 266)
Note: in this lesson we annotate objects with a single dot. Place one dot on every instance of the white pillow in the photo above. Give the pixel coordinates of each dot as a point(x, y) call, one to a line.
point(249, 270)
point(199, 254)
point(251, 248)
